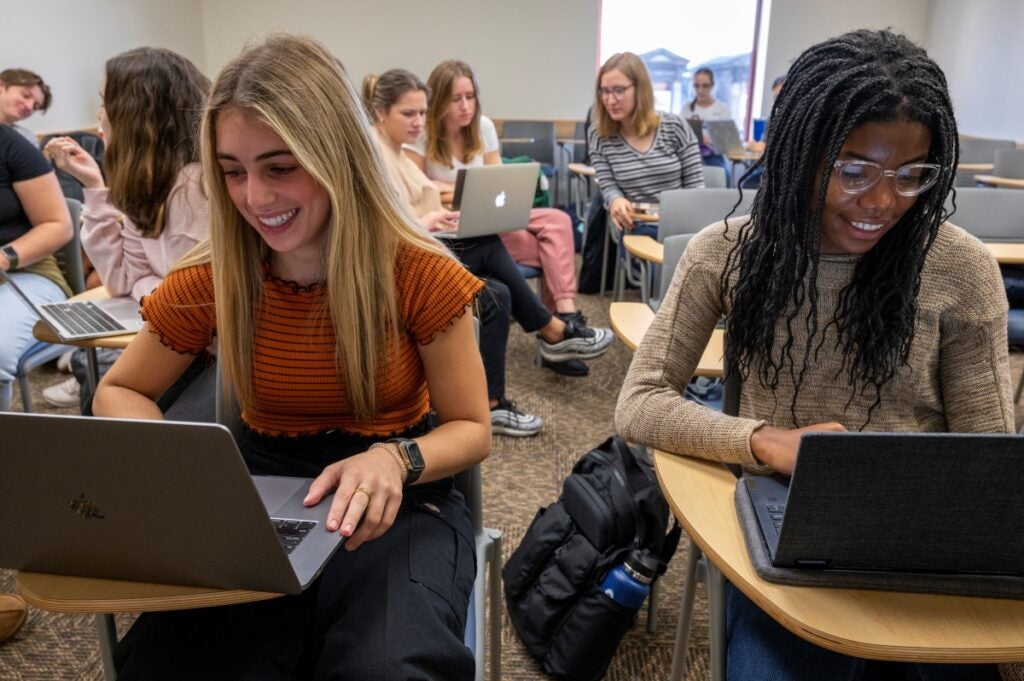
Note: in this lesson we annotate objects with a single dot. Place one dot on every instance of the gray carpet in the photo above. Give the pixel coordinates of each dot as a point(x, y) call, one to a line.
point(520, 476)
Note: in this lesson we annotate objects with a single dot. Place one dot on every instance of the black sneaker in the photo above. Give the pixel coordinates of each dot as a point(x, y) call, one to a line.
point(572, 367)
point(509, 419)
point(579, 342)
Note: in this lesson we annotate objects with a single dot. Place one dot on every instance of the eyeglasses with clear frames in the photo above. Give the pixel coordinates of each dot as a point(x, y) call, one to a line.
point(913, 179)
point(617, 92)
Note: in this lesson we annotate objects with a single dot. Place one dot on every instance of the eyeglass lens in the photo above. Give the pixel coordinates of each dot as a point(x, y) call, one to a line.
point(908, 180)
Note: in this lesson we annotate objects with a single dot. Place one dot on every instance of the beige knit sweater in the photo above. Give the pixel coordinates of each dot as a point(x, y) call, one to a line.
point(957, 378)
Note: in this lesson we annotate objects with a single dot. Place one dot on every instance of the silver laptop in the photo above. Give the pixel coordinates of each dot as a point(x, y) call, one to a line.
point(913, 502)
point(725, 137)
point(84, 319)
point(493, 199)
point(152, 501)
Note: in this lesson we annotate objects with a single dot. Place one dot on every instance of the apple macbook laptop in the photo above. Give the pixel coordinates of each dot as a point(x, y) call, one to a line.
point(725, 137)
point(910, 502)
point(84, 319)
point(152, 501)
point(493, 199)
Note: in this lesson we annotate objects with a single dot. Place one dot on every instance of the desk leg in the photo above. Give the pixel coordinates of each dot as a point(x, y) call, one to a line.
point(92, 375)
point(107, 632)
point(685, 615)
point(716, 621)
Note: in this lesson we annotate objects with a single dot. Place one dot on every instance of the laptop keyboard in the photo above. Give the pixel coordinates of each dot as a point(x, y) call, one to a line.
point(291, 532)
point(84, 317)
point(776, 511)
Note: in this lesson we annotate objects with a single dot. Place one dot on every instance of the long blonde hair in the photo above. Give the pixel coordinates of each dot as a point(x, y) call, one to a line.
point(440, 83)
point(644, 118)
point(296, 87)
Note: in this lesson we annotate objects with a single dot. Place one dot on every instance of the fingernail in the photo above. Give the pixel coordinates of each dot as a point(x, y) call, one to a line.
point(332, 525)
point(347, 529)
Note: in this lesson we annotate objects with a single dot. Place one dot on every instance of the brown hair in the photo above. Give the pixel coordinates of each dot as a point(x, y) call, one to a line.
point(441, 82)
point(380, 93)
point(701, 71)
point(644, 118)
point(154, 101)
point(29, 78)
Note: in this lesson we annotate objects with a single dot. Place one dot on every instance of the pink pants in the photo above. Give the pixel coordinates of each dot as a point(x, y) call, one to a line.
point(547, 243)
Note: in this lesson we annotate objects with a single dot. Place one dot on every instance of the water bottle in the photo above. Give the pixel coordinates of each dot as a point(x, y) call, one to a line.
point(628, 583)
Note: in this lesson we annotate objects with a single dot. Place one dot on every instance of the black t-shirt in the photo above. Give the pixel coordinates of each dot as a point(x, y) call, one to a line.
point(19, 161)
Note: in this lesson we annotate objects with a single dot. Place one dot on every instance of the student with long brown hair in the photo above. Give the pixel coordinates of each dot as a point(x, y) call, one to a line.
point(340, 324)
point(458, 135)
point(150, 209)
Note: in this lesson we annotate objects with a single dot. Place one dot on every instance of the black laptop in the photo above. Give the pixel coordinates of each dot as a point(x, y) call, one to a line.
point(908, 502)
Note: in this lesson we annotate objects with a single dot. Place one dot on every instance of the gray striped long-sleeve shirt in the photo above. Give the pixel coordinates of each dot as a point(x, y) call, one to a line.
point(672, 162)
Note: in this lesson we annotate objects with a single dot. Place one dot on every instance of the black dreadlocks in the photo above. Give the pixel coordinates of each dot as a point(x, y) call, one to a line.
point(860, 77)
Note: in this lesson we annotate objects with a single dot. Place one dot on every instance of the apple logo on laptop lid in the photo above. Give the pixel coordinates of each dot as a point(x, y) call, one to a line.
point(499, 200)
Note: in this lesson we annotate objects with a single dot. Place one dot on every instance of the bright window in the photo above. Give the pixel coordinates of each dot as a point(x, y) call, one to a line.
point(677, 37)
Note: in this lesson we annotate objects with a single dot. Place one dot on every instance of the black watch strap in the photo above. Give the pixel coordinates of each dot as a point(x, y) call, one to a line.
point(412, 457)
point(12, 256)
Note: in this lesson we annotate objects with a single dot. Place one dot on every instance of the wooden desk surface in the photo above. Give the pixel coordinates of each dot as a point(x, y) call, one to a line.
point(976, 167)
point(582, 169)
point(745, 155)
point(997, 181)
point(1007, 253)
point(630, 322)
point(644, 247)
point(63, 593)
point(565, 140)
point(43, 332)
point(871, 624)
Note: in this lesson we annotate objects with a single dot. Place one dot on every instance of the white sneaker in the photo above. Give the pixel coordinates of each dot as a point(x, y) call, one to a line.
point(64, 362)
point(63, 394)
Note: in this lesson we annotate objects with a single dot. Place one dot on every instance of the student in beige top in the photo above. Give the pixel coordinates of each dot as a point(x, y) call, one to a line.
point(850, 303)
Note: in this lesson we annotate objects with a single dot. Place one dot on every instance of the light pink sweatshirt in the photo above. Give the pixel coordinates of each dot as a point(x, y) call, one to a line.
point(128, 263)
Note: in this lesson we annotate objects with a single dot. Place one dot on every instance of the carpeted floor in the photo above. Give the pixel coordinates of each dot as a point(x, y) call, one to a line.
point(520, 476)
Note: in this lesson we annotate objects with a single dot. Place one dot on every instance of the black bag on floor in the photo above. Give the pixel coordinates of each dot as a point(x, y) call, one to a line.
point(593, 249)
point(610, 504)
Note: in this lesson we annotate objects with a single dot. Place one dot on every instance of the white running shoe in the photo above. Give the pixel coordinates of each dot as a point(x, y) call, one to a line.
point(64, 394)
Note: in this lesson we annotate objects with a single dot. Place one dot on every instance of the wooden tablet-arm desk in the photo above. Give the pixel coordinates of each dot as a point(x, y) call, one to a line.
point(63, 593)
point(883, 625)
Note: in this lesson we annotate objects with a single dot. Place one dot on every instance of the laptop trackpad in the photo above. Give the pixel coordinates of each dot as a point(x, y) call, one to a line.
point(276, 491)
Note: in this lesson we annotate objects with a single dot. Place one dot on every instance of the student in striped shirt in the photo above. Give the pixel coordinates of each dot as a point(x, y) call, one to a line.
point(637, 152)
point(340, 324)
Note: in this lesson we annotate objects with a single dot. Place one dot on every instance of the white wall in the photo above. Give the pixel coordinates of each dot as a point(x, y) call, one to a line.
point(978, 44)
point(795, 25)
point(67, 42)
point(533, 58)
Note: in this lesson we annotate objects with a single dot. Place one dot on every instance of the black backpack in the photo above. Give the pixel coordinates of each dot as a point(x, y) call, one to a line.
point(610, 504)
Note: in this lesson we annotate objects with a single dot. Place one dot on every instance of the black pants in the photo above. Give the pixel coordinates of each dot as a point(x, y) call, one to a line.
point(486, 256)
point(495, 303)
point(393, 609)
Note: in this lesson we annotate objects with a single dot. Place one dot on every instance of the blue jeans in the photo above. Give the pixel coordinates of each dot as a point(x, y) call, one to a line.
point(760, 648)
point(18, 320)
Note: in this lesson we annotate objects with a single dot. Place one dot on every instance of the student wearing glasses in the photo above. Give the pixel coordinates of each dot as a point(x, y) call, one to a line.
point(850, 303)
point(637, 152)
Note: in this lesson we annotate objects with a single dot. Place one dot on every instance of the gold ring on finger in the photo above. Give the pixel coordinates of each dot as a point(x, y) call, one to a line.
point(368, 493)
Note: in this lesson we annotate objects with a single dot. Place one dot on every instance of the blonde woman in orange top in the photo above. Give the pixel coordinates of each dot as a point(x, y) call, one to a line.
point(340, 323)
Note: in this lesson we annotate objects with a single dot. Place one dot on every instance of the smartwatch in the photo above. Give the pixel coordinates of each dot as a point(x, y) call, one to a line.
point(412, 457)
point(12, 256)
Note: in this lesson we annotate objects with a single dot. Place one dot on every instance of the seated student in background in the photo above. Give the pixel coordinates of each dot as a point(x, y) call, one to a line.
point(704, 107)
point(22, 93)
point(637, 152)
point(850, 303)
point(34, 223)
point(758, 145)
point(151, 208)
point(458, 136)
point(396, 102)
point(340, 323)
